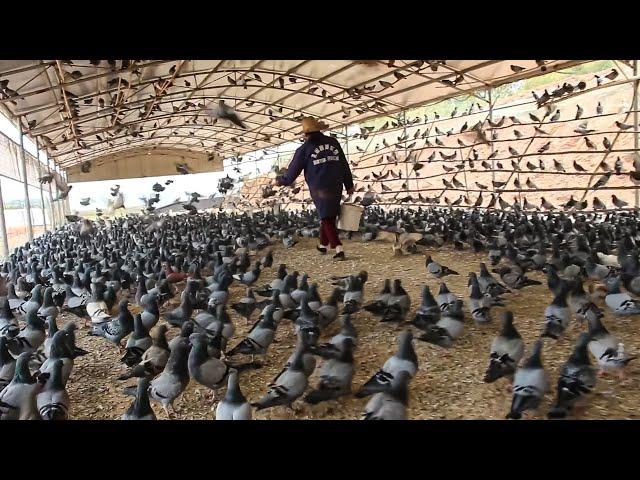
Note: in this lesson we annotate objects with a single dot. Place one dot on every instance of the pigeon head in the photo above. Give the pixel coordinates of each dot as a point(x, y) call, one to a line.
point(508, 330)
point(580, 355)
point(405, 347)
point(535, 359)
point(22, 373)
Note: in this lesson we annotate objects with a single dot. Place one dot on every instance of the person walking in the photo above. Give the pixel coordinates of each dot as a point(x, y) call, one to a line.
point(326, 170)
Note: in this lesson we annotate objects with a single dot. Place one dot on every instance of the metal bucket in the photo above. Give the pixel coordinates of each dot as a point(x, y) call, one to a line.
point(350, 215)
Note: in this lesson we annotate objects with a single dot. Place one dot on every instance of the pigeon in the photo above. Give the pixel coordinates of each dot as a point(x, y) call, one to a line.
point(377, 305)
point(447, 329)
point(606, 349)
point(250, 277)
point(438, 270)
point(246, 306)
point(336, 375)
point(7, 364)
point(210, 372)
point(328, 311)
point(620, 303)
point(178, 316)
point(30, 338)
point(619, 203)
point(259, 338)
point(478, 305)
point(137, 343)
point(530, 383)
point(334, 347)
point(445, 298)
point(354, 295)
point(224, 112)
point(140, 409)
point(18, 398)
point(428, 313)
point(288, 386)
point(507, 350)
point(234, 405)
point(392, 403)
point(118, 328)
point(398, 304)
point(556, 316)
point(577, 380)
point(405, 359)
point(170, 384)
point(154, 358)
point(52, 401)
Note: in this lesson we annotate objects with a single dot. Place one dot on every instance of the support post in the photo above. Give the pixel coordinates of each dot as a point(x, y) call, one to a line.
point(52, 207)
point(404, 134)
point(4, 241)
point(27, 203)
point(493, 160)
point(44, 212)
point(636, 139)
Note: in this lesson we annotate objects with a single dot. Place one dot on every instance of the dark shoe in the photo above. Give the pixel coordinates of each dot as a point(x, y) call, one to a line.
point(323, 251)
point(339, 256)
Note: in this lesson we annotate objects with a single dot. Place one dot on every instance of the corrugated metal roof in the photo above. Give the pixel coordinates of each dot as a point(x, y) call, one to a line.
point(82, 110)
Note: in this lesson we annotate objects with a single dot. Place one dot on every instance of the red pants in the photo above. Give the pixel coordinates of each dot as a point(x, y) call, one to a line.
point(329, 233)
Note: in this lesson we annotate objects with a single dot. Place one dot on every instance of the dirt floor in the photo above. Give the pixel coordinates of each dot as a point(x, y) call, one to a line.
point(448, 384)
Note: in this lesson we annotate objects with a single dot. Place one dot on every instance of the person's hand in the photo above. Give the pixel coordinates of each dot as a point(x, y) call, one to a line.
point(350, 191)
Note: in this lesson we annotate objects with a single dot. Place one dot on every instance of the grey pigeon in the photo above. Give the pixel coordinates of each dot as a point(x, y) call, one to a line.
point(428, 313)
point(621, 303)
point(30, 338)
point(333, 348)
point(154, 359)
point(445, 298)
point(577, 380)
point(260, 336)
point(170, 384)
point(378, 304)
point(7, 364)
point(53, 400)
point(556, 316)
point(447, 329)
point(140, 409)
point(137, 343)
point(117, 328)
point(288, 386)
point(437, 270)
point(234, 405)
point(392, 403)
point(336, 375)
point(530, 383)
point(507, 349)
point(18, 399)
point(210, 372)
point(606, 348)
point(405, 359)
point(250, 277)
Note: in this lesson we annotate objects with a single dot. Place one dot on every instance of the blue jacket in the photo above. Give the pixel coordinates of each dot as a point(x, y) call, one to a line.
point(325, 171)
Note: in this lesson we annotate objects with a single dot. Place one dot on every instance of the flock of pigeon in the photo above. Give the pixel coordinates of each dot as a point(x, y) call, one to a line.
point(104, 272)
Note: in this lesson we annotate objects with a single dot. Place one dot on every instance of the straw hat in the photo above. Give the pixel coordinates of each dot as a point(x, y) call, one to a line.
point(310, 124)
